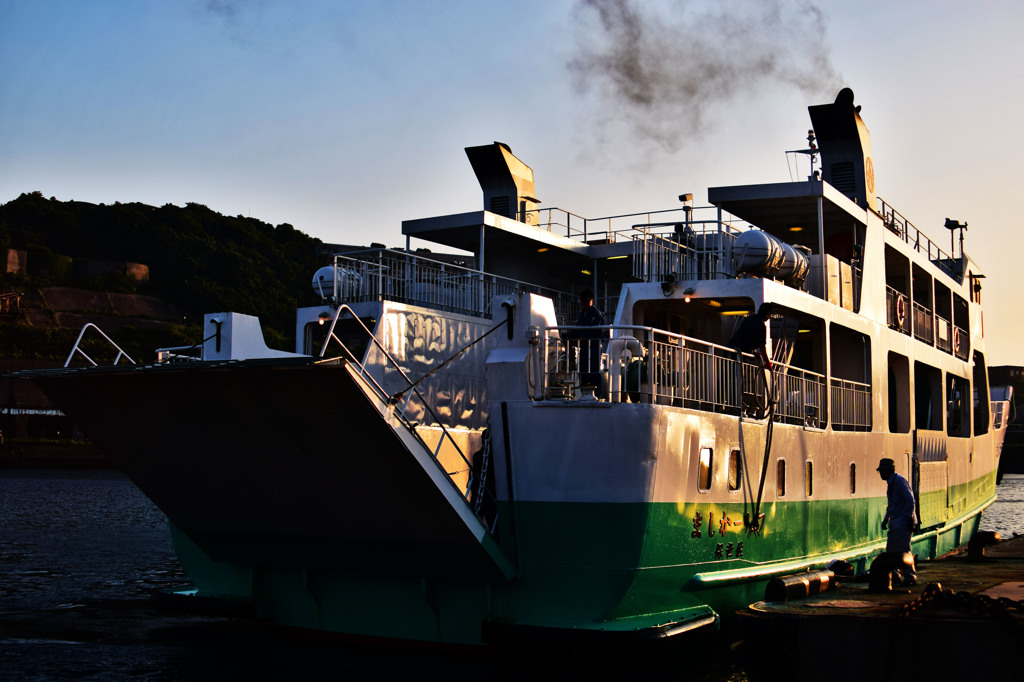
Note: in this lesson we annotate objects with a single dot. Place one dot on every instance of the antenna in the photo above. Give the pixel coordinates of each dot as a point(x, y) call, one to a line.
point(812, 151)
point(952, 225)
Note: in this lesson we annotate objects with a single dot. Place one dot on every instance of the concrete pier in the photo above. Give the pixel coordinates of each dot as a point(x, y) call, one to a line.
point(964, 618)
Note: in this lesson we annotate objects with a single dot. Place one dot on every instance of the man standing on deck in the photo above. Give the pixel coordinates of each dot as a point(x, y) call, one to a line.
point(900, 516)
point(590, 343)
point(752, 335)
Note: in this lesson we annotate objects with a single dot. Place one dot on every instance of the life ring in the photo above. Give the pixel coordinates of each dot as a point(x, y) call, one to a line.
point(901, 310)
point(956, 338)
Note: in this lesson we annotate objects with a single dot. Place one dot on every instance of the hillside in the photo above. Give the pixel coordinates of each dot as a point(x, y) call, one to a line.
point(148, 272)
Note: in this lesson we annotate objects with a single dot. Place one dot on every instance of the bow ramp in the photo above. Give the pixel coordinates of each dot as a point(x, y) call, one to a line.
point(283, 461)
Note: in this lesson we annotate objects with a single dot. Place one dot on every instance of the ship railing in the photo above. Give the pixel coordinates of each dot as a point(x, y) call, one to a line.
point(1000, 411)
point(668, 245)
point(400, 401)
point(924, 327)
point(920, 242)
point(77, 349)
point(896, 310)
point(943, 334)
point(635, 364)
point(381, 274)
point(702, 251)
point(697, 249)
point(951, 338)
point(851, 405)
point(961, 342)
point(799, 396)
point(647, 365)
point(609, 229)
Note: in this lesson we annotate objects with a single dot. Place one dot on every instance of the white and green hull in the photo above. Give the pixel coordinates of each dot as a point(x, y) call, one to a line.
point(336, 495)
point(603, 532)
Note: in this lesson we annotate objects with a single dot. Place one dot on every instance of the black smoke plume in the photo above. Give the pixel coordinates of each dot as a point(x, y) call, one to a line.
point(664, 70)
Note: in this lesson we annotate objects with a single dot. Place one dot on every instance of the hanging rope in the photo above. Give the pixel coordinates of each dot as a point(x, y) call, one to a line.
point(398, 396)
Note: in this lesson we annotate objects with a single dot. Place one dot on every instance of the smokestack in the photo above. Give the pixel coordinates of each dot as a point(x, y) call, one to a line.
point(506, 181)
point(845, 145)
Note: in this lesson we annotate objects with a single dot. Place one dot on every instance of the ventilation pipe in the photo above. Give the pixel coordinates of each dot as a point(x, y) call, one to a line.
point(506, 181)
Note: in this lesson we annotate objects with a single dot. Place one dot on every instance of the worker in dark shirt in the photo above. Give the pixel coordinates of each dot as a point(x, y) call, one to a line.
point(900, 516)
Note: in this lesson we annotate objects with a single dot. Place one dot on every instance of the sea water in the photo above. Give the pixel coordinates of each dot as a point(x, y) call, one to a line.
point(82, 553)
point(1006, 515)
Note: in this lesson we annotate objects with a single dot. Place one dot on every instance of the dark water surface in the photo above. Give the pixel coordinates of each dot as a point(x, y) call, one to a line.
point(82, 554)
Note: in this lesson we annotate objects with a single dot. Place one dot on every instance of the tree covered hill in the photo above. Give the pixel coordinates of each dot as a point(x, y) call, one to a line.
point(199, 260)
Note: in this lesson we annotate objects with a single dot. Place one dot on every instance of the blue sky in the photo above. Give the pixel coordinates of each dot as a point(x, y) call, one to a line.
point(343, 118)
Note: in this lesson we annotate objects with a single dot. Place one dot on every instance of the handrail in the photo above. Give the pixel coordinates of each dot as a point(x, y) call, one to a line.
point(382, 274)
point(612, 223)
point(331, 335)
point(905, 230)
point(646, 364)
point(383, 394)
point(76, 349)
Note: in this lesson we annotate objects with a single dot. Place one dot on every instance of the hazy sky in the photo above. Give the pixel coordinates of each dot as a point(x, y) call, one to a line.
point(343, 118)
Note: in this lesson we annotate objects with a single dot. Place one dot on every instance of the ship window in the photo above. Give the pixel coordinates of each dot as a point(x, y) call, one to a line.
point(853, 478)
point(899, 394)
point(704, 470)
point(927, 397)
point(780, 478)
point(981, 395)
point(957, 419)
point(808, 484)
point(735, 470)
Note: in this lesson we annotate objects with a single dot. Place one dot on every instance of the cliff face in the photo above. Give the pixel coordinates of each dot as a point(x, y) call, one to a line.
point(72, 307)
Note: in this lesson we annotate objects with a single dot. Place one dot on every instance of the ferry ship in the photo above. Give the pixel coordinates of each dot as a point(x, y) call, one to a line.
point(449, 457)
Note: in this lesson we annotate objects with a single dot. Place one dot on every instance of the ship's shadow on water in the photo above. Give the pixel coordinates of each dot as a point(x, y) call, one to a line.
point(82, 555)
point(111, 640)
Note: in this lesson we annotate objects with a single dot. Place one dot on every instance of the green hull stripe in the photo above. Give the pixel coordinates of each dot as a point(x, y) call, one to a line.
point(601, 561)
point(601, 567)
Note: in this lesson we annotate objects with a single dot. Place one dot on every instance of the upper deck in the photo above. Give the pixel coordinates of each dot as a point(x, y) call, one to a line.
point(826, 244)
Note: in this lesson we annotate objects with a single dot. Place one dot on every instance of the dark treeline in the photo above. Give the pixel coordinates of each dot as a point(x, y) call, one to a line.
point(198, 259)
